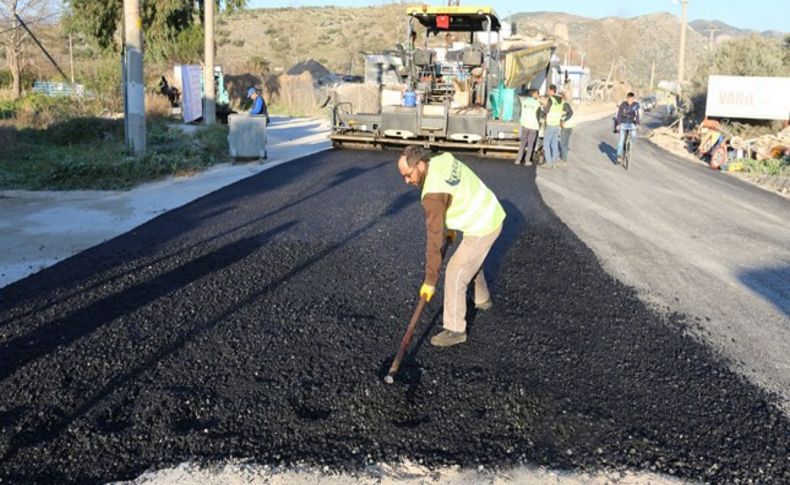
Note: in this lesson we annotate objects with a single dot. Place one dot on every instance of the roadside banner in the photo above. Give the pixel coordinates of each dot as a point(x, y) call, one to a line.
point(762, 98)
point(191, 96)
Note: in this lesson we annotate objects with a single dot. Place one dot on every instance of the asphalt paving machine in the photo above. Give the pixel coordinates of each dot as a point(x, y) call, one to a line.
point(457, 88)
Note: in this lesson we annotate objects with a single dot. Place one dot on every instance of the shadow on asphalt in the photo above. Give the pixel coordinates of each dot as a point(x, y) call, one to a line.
point(608, 150)
point(772, 284)
point(201, 213)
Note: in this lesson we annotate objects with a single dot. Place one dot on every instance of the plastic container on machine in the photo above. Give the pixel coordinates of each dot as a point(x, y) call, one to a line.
point(410, 99)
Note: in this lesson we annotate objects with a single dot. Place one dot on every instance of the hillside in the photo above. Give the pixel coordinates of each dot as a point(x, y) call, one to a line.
point(337, 36)
point(331, 35)
point(626, 46)
point(723, 31)
point(274, 39)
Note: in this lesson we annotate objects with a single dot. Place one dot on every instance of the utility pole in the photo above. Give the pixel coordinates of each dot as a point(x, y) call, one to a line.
point(135, 95)
point(209, 94)
point(71, 58)
point(681, 60)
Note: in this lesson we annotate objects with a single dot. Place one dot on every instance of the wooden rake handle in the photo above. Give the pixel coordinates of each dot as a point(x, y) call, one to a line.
point(406, 340)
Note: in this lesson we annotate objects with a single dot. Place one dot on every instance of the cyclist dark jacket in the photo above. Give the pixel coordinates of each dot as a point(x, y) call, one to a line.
point(628, 113)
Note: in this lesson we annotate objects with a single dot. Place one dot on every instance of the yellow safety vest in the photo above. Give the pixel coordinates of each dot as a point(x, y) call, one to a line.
point(554, 116)
point(474, 209)
point(529, 113)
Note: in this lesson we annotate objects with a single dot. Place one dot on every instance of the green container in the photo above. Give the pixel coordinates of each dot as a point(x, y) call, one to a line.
point(502, 100)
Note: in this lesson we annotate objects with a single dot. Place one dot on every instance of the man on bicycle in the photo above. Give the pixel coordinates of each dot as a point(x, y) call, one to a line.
point(627, 119)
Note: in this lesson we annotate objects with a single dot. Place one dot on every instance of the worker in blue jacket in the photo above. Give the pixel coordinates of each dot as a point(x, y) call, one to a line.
point(258, 104)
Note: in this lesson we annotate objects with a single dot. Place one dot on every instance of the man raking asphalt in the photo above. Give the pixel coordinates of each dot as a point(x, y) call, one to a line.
point(454, 199)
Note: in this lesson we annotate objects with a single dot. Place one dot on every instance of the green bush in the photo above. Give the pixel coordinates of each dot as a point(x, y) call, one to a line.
point(44, 161)
point(744, 56)
point(188, 46)
point(213, 140)
point(104, 80)
point(765, 167)
point(37, 111)
point(85, 130)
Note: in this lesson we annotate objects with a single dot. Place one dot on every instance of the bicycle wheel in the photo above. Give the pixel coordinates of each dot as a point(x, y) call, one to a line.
point(627, 150)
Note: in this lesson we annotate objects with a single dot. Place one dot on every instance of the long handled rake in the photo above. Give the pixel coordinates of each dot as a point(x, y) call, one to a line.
point(404, 343)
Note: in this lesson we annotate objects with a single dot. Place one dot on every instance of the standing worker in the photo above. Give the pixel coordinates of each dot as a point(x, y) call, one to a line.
point(530, 125)
point(551, 137)
point(258, 104)
point(566, 126)
point(454, 198)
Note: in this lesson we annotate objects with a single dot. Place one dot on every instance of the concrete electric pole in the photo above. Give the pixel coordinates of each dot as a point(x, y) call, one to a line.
point(209, 95)
point(71, 58)
point(134, 110)
point(681, 61)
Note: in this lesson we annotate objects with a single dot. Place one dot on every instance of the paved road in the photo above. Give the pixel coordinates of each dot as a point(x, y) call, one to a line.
point(690, 239)
point(258, 322)
point(40, 228)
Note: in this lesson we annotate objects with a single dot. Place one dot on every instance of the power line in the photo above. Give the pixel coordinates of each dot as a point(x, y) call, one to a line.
point(37, 20)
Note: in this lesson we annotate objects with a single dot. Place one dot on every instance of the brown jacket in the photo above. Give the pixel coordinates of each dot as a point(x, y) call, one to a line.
point(435, 206)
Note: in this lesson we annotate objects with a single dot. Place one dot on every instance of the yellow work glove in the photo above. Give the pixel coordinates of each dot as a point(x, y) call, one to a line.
point(451, 234)
point(427, 291)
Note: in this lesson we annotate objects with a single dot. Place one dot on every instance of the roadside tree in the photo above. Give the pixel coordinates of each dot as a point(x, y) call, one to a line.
point(171, 27)
point(15, 39)
point(745, 56)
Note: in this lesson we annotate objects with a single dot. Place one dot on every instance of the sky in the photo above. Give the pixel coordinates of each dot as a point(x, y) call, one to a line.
point(750, 14)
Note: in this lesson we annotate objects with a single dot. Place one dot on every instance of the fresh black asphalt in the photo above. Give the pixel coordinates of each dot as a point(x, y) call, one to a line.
point(257, 322)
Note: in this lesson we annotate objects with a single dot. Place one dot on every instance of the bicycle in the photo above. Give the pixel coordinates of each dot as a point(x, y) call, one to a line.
point(626, 148)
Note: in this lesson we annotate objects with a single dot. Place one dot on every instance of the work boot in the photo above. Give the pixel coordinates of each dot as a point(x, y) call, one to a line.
point(448, 338)
point(486, 305)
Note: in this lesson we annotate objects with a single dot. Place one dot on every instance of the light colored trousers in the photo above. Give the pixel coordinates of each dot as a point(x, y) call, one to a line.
point(551, 144)
point(621, 141)
point(465, 265)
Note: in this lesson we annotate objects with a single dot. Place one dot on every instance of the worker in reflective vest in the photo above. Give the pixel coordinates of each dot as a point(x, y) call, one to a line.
point(530, 125)
point(567, 124)
point(454, 199)
point(551, 136)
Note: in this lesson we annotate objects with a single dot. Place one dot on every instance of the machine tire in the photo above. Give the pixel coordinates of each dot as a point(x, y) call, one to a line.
point(718, 157)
